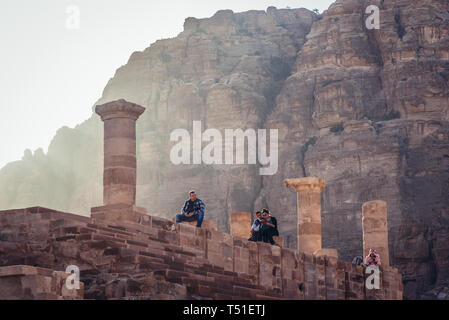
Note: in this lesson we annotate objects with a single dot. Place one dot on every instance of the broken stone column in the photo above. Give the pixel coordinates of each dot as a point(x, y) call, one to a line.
point(309, 212)
point(375, 230)
point(120, 162)
point(241, 224)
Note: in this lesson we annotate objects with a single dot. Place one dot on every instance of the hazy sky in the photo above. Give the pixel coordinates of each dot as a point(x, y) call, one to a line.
point(51, 74)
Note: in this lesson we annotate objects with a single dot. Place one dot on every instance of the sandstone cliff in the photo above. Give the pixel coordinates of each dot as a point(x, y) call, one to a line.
point(367, 110)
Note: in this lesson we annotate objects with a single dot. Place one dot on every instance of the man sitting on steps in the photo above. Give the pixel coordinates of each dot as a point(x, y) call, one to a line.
point(193, 210)
point(256, 234)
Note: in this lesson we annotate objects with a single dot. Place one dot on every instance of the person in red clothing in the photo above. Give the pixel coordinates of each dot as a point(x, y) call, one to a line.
point(373, 259)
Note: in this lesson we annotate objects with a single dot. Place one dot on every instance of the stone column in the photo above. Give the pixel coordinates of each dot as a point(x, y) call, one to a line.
point(120, 162)
point(309, 212)
point(375, 230)
point(241, 224)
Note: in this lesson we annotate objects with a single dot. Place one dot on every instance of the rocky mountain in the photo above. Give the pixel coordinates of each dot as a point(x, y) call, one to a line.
point(367, 110)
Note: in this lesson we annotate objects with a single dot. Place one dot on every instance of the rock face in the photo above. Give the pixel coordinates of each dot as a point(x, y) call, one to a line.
point(366, 110)
point(225, 71)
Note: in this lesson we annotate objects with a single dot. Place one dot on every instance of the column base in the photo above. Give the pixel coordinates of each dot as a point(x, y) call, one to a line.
point(119, 212)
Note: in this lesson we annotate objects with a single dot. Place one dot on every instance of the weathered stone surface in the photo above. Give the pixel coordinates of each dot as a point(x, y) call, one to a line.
point(309, 212)
point(119, 212)
point(240, 224)
point(329, 253)
point(375, 230)
point(23, 282)
point(128, 260)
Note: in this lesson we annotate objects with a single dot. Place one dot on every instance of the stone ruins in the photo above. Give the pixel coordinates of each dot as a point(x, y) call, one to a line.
point(124, 253)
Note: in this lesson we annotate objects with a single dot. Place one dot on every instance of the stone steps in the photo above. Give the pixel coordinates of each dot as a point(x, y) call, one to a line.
point(186, 262)
point(136, 249)
point(141, 252)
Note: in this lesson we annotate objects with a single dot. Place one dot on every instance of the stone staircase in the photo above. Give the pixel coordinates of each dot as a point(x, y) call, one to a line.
point(157, 259)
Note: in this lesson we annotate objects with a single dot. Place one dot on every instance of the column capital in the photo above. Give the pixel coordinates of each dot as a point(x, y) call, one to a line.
point(119, 109)
point(309, 184)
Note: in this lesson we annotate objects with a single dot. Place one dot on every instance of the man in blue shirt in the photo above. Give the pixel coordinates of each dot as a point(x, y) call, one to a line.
point(256, 235)
point(193, 210)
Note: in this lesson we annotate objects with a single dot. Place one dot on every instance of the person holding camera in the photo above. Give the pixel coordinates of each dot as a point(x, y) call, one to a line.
point(269, 227)
point(193, 210)
point(373, 259)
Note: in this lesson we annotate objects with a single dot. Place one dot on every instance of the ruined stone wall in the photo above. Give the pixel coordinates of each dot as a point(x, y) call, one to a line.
point(156, 259)
point(32, 283)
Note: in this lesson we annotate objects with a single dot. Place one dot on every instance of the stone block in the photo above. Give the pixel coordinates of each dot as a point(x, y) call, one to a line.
point(215, 236)
point(291, 290)
point(241, 265)
point(168, 237)
point(187, 229)
point(280, 241)
point(246, 292)
point(210, 225)
point(326, 253)
point(240, 224)
point(31, 283)
point(120, 212)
